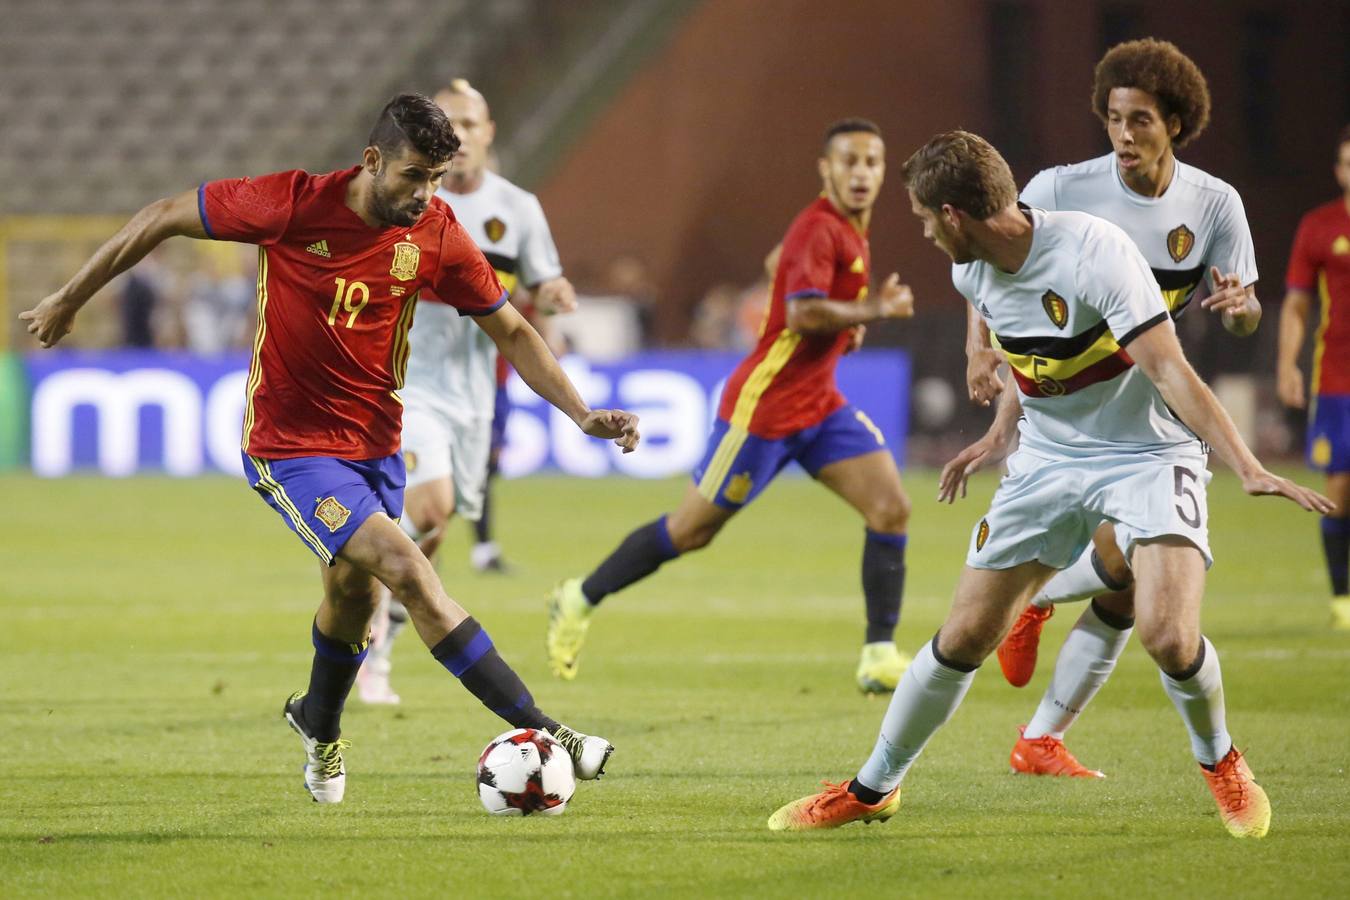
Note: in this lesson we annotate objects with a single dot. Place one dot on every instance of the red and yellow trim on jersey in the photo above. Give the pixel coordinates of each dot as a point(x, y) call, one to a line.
point(1055, 366)
point(398, 357)
point(270, 486)
point(255, 365)
point(1319, 338)
point(739, 427)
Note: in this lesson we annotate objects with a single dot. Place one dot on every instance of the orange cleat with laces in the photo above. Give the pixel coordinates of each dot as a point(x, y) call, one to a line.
point(1017, 653)
point(1243, 804)
point(1046, 755)
point(831, 808)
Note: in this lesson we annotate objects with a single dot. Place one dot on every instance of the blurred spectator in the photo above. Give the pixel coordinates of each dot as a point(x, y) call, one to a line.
point(217, 314)
point(143, 291)
point(728, 317)
point(627, 276)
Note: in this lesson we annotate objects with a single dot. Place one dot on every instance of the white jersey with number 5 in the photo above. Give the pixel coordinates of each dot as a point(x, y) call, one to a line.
point(1065, 320)
point(452, 363)
point(1198, 222)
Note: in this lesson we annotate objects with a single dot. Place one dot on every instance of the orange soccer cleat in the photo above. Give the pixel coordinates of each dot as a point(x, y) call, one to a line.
point(831, 808)
point(1243, 805)
point(1046, 756)
point(1017, 653)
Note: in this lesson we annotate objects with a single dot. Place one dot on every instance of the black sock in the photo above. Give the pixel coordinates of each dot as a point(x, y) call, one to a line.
point(330, 681)
point(1336, 545)
point(640, 554)
point(1099, 566)
point(468, 653)
point(864, 793)
point(883, 582)
point(482, 529)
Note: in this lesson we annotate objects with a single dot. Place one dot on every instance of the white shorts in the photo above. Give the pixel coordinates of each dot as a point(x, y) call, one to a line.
point(436, 446)
point(1046, 508)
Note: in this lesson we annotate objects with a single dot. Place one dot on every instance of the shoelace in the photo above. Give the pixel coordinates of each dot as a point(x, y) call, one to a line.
point(1232, 783)
point(330, 757)
point(831, 795)
point(572, 742)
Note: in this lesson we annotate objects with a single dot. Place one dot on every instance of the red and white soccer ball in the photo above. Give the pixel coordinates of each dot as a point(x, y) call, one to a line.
point(524, 772)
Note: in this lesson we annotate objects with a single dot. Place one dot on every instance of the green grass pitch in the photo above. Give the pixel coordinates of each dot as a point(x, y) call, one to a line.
point(152, 629)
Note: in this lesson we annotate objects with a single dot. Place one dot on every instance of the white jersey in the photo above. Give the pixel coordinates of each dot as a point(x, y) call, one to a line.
point(1064, 320)
point(1198, 222)
point(452, 363)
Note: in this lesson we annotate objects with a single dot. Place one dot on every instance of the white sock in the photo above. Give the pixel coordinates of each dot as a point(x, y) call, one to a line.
point(1078, 582)
point(484, 553)
point(926, 697)
point(1082, 667)
point(1199, 699)
point(410, 529)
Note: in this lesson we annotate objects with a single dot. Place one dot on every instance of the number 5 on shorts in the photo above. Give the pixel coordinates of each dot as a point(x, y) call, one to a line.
point(1181, 475)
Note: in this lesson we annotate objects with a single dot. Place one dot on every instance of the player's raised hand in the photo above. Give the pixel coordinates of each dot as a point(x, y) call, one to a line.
point(614, 424)
point(856, 334)
point(982, 381)
point(50, 320)
point(1228, 294)
point(1265, 483)
point(956, 473)
point(895, 300)
point(555, 296)
point(1289, 385)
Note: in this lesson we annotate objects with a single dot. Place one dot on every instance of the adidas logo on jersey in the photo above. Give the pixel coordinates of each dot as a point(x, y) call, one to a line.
point(319, 248)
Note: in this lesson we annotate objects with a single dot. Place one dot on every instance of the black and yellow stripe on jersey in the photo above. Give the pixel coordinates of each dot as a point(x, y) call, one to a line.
point(1047, 366)
point(1178, 287)
point(507, 269)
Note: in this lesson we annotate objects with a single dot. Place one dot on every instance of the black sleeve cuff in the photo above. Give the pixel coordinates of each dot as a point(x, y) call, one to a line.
point(1141, 328)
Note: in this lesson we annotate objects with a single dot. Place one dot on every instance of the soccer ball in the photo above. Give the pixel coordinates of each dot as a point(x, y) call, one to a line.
point(525, 771)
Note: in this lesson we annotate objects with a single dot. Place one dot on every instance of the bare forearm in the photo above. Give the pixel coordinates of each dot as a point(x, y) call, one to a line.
point(821, 316)
point(526, 351)
point(1293, 328)
point(1193, 401)
point(977, 332)
point(123, 250)
point(1009, 412)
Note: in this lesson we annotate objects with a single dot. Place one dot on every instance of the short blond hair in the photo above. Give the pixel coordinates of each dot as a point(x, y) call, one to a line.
point(963, 170)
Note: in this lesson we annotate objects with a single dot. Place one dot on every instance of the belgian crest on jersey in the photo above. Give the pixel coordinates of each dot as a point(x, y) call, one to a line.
point(406, 257)
point(1180, 242)
point(981, 535)
point(1055, 308)
point(495, 229)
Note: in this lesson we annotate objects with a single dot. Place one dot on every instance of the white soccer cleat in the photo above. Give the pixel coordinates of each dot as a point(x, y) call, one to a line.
point(325, 773)
point(589, 753)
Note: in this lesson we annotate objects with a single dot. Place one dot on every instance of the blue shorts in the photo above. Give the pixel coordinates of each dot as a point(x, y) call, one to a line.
point(324, 500)
point(737, 465)
point(1329, 434)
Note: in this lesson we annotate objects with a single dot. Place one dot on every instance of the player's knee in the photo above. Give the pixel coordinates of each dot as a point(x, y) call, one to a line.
point(405, 574)
point(966, 644)
point(695, 537)
point(355, 595)
point(890, 515)
point(1173, 649)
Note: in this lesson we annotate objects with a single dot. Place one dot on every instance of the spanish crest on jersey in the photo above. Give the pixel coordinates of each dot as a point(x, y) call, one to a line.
point(1180, 242)
point(1340, 246)
point(1056, 309)
point(406, 257)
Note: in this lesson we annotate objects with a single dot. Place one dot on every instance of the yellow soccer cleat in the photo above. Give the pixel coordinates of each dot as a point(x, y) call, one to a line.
point(1243, 805)
point(880, 667)
point(569, 615)
point(831, 808)
point(1340, 613)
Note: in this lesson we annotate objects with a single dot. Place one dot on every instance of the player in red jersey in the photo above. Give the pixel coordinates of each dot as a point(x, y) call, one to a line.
point(781, 405)
point(342, 260)
point(1320, 261)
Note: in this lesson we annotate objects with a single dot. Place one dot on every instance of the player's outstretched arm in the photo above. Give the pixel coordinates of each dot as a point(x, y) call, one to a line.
point(53, 318)
point(556, 295)
point(982, 361)
point(992, 446)
point(526, 351)
point(1158, 354)
point(813, 315)
point(1236, 302)
point(1293, 328)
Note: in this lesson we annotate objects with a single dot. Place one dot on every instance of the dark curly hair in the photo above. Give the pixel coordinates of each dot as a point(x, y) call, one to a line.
point(411, 120)
point(961, 169)
point(1161, 69)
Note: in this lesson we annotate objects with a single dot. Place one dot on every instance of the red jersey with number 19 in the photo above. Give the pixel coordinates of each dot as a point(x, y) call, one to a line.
point(335, 301)
point(787, 382)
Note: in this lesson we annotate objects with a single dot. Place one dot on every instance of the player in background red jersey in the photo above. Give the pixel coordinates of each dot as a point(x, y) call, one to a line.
point(781, 405)
point(1320, 261)
point(342, 259)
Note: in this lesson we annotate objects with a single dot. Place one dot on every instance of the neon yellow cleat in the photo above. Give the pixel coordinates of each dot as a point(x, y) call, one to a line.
point(1340, 613)
point(1243, 805)
point(880, 667)
point(831, 808)
point(569, 615)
